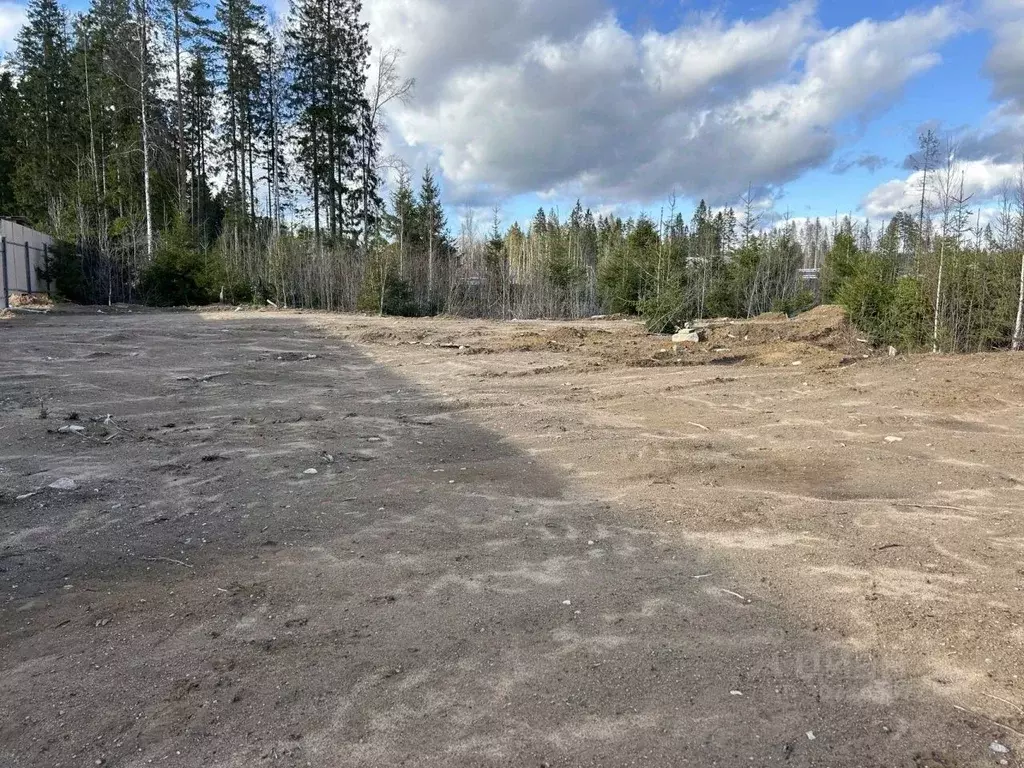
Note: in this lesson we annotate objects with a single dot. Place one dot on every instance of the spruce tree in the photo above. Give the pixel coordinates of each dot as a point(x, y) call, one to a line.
point(239, 38)
point(9, 144)
point(42, 63)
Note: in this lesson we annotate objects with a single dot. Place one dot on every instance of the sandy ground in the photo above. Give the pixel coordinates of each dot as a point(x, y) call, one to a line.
point(525, 544)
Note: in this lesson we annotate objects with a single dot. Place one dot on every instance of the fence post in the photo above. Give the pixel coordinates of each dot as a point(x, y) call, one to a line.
point(3, 259)
point(28, 270)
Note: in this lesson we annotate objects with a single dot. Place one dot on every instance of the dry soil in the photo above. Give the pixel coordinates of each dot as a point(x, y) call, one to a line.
point(524, 544)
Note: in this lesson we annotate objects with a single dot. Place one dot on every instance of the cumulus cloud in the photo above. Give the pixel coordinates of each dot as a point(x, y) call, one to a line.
point(1005, 63)
point(12, 18)
point(558, 97)
point(984, 181)
point(990, 156)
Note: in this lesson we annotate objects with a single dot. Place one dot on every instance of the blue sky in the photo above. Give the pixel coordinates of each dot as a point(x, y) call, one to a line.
point(621, 103)
point(814, 105)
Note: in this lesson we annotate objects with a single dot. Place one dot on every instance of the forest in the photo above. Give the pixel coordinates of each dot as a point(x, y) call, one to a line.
point(189, 155)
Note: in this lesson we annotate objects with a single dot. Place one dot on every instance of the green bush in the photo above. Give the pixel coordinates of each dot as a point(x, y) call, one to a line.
point(384, 291)
point(907, 323)
point(664, 313)
point(799, 302)
point(177, 275)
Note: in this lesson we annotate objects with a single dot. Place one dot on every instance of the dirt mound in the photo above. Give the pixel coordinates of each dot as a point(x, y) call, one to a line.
point(820, 338)
point(826, 326)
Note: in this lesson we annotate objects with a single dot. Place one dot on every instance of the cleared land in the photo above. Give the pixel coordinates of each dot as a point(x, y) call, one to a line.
point(524, 544)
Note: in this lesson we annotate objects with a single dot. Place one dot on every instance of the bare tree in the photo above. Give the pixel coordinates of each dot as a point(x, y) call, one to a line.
point(924, 163)
point(950, 182)
point(387, 86)
point(945, 186)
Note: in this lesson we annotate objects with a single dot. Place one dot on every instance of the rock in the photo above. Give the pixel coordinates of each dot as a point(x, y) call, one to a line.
point(998, 748)
point(811, 736)
point(567, 602)
point(687, 336)
point(64, 484)
point(310, 471)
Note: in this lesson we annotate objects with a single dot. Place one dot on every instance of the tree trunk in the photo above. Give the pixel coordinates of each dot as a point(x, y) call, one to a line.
point(145, 126)
point(179, 107)
point(938, 296)
point(1018, 329)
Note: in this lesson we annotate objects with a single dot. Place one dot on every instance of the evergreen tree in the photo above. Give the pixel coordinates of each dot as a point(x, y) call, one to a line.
point(9, 144)
point(400, 225)
point(239, 40)
point(42, 63)
point(198, 117)
point(433, 234)
point(327, 51)
point(188, 31)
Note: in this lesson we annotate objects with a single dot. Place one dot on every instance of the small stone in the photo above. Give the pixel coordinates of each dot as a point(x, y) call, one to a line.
point(64, 484)
point(998, 748)
point(310, 471)
point(811, 736)
point(735, 693)
point(567, 602)
point(893, 439)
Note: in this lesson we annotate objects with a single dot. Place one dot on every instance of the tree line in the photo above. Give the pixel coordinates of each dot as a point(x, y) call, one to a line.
point(194, 155)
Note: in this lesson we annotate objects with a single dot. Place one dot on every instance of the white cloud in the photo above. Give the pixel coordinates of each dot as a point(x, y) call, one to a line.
point(983, 179)
point(12, 18)
point(557, 97)
point(991, 155)
point(1005, 63)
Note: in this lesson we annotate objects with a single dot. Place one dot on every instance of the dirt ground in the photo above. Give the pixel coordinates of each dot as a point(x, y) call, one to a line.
point(524, 544)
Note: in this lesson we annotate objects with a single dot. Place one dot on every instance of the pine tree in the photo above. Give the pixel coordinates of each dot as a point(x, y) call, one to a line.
point(271, 116)
point(433, 234)
point(198, 117)
point(242, 30)
point(42, 63)
point(401, 224)
point(9, 144)
point(188, 30)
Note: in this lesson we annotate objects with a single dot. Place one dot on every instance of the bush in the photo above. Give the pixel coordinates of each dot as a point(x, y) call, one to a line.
point(176, 275)
point(908, 320)
point(64, 272)
point(383, 291)
point(664, 313)
point(801, 301)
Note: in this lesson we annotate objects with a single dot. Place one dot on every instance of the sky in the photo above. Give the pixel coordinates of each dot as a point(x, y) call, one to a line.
point(813, 107)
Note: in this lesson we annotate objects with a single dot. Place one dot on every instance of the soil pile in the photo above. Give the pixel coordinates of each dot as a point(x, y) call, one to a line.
point(824, 337)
